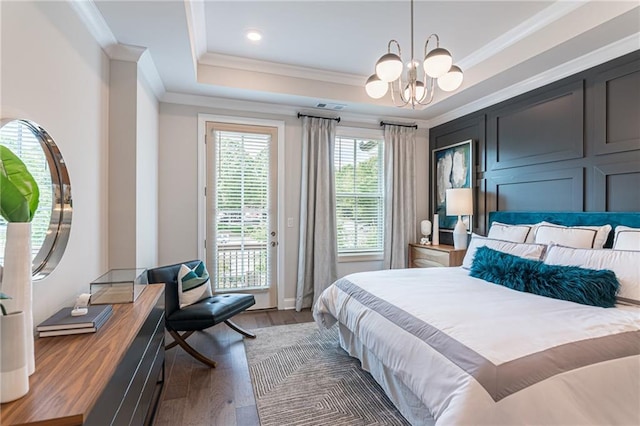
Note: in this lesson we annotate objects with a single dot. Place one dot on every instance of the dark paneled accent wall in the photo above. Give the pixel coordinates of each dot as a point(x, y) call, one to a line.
point(573, 145)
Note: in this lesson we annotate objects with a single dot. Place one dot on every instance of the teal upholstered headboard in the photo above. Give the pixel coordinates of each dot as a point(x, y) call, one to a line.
point(570, 219)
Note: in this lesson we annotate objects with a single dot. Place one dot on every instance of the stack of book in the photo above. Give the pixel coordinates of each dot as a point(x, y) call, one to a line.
point(63, 323)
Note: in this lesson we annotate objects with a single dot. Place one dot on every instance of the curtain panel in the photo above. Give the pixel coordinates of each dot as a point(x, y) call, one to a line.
point(400, 197)
point(317, 254)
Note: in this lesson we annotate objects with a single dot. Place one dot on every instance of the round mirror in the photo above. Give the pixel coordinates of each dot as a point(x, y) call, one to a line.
point(52, 221)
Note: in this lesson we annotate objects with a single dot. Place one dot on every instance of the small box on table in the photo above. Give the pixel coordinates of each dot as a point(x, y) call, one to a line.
point(118, 286)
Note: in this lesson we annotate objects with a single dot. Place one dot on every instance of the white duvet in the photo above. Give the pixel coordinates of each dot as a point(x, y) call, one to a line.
point(479, 353)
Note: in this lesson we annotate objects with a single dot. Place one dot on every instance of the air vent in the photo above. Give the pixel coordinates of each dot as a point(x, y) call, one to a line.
point(335, 107)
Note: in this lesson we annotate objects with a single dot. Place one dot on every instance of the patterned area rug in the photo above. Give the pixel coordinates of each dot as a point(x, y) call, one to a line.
point(301, 376)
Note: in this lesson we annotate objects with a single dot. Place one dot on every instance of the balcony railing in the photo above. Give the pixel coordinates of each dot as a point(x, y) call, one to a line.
point(241, 266)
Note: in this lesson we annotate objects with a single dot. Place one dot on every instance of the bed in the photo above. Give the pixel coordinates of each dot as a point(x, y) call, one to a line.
point(449, 348)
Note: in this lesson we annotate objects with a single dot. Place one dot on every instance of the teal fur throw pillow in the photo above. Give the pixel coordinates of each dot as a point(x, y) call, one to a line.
point(193, 284)
point(574, 284)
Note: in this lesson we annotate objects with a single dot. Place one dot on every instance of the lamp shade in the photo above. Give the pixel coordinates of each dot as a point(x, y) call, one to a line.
point(437, 62)
point(459, 201)
point(375, 87)
point(389, 67)
point(419, 91)
point(451, 80)
point(425, 228)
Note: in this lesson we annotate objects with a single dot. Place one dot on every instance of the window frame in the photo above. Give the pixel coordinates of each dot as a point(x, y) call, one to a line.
point(362, 133)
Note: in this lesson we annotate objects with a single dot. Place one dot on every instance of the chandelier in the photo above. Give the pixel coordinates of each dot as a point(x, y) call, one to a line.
point(437, 66)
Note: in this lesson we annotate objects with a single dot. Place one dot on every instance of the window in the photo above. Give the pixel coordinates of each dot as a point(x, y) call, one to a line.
point(359, 194)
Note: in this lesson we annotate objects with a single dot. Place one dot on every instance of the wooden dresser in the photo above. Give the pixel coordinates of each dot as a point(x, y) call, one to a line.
point(421, 256)
point(113, 376)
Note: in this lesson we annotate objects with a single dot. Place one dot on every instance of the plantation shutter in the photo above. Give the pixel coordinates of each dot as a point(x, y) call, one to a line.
point(242, 208)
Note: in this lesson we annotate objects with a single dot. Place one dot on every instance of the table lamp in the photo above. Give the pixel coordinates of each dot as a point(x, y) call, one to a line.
point(459, 203)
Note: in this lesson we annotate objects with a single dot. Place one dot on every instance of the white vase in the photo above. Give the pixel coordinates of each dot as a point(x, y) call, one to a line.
point(14, 376)
point(16, 281)
point(436, 230)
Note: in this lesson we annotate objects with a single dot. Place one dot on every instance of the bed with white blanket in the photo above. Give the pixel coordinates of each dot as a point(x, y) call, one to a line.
point(452, 349)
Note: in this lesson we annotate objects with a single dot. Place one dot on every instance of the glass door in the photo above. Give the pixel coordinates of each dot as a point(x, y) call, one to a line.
point(241, 242)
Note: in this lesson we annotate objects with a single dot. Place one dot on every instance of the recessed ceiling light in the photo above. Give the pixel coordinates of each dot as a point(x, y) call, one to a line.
point(254, 35)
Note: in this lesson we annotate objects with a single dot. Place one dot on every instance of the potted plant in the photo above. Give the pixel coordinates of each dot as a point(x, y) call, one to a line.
point(14, 375)
point(19, 197)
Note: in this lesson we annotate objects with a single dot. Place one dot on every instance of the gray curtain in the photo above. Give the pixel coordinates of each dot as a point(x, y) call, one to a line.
point(400, 200)
point(317, 254)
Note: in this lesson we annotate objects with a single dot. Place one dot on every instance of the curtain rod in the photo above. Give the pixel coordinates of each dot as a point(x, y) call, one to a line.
point(413, 126)
point(316, 116)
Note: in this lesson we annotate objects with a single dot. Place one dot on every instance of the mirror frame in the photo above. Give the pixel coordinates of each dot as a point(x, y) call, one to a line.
point(59, 229)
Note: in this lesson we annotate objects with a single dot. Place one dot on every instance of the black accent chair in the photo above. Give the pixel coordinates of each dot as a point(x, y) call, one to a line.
point(199, 316)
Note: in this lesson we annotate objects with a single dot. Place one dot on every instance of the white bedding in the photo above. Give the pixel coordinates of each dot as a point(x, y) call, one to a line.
point(478, 353)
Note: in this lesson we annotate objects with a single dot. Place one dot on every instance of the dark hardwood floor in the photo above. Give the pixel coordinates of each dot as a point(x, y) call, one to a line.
point(196, 395)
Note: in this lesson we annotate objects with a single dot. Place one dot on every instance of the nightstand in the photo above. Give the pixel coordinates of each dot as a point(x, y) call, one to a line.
point(433, 256)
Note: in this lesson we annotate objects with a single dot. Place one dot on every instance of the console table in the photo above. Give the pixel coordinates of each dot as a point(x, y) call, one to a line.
point(113, 376)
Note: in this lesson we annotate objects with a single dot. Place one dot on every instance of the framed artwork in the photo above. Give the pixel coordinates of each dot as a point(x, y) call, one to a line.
point(452, 168)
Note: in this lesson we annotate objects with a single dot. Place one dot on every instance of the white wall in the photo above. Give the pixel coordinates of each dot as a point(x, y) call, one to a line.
point(133, 168)
point(178, 178)
point(54, 73)
point(146, 176)
point(123, 136)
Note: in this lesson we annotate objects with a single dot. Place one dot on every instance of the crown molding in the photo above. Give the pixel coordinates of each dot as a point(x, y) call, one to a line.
point(197, 33)
point(142, 57)
point(89, 14)
point(247, 64)
point(574, 66)
point(197, 29)
point(125, 52)
point(530, 26)
point(227, 103)
point(150, 73)
point(277, 109)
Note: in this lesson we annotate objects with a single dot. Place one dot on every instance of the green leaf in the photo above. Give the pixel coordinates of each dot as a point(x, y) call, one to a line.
point(19, 194)
point(3, 297)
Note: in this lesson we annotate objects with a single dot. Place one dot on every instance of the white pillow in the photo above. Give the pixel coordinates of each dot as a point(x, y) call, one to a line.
point(572, 236)
point(193, 284)
point(624, 263)
point(528, 251)
point(514, 233)
point(626, 238)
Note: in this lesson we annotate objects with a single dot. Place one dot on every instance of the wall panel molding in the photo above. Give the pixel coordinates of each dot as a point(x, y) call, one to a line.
point(616, 109)
point(555, 190)
point(623, 198)
point(575, 168)
point(545, 128)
